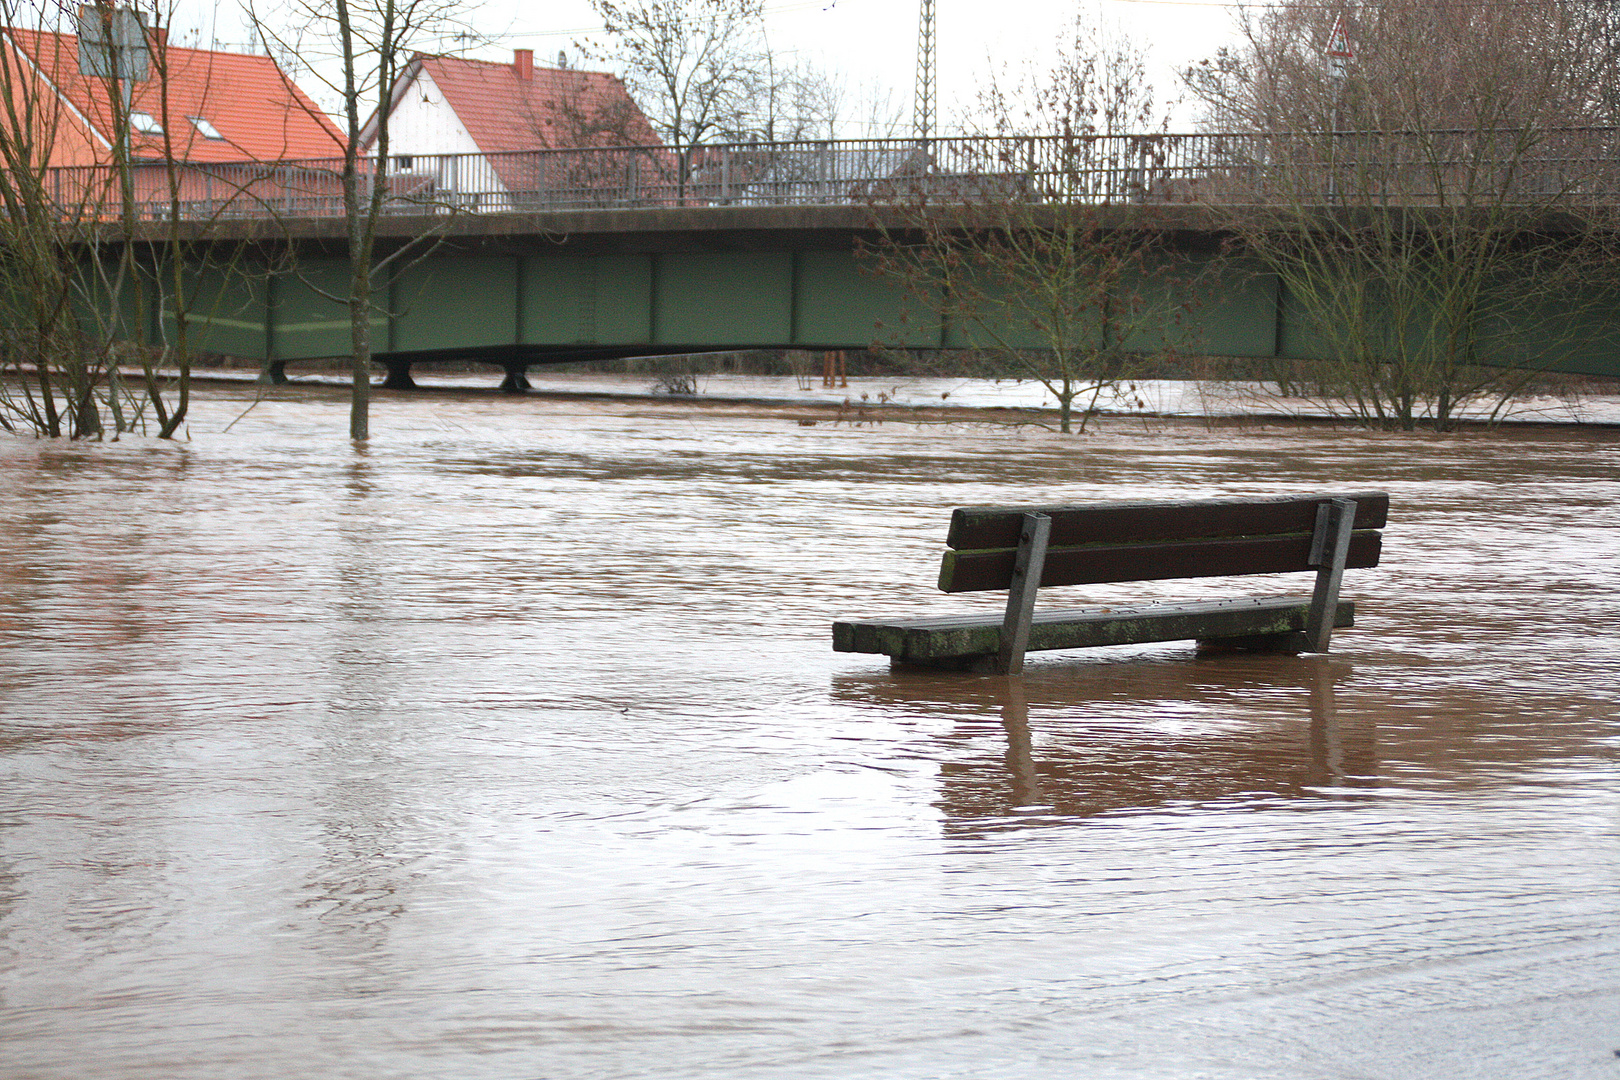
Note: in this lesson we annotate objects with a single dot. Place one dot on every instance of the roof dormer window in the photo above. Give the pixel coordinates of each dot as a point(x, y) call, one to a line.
point(204, 128)
point(145, 123)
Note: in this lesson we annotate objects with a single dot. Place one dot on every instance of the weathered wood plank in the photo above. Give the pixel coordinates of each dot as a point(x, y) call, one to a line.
point(1330, 547)
point(942, 638)
point(977, 527)
point(972, 571)
point(1028, 564)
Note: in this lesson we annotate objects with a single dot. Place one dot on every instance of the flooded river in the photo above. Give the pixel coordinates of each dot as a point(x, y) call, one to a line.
point(513, 746)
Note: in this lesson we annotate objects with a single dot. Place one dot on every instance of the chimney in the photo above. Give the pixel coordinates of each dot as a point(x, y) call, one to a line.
point(523, 64)
point(160, 37)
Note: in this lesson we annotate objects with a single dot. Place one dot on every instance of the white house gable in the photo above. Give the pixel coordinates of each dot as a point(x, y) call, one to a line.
point(424, 123)
point(472, 129)
point(423, 129)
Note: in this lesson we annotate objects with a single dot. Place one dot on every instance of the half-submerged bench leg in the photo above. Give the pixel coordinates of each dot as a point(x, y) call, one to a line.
point(1330, 547)
point(1026, 582)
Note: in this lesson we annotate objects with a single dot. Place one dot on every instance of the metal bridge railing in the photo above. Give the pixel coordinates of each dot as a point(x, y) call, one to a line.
point(1391, 167)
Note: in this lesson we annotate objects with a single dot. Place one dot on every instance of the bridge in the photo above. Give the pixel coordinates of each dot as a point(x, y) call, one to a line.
point(556, 256)
point(515, 290)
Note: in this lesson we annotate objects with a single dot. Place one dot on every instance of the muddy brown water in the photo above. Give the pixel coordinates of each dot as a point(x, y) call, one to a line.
point(513, 746)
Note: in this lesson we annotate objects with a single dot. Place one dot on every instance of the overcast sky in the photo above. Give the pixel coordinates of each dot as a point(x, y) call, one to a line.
point(874, 42)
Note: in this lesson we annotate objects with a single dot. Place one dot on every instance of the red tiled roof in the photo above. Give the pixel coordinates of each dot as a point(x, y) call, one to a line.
point(261, 115)
point(554, 108)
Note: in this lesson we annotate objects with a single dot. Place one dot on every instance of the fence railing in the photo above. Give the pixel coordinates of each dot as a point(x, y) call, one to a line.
point(1384, 166)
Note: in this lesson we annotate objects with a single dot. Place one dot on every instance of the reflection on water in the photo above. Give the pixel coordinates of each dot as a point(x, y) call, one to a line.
point(1081, 769)
point(513, 745)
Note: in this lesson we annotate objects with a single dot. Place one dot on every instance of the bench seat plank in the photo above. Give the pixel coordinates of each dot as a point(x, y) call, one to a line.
point(948, 637)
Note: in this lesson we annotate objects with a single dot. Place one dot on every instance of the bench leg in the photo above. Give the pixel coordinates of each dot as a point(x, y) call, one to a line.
point(1330, 547)
point(1026, 582)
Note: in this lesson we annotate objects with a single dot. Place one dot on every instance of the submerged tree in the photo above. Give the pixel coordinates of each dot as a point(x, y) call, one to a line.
point(357, 49)
point(1424, 211)
point(78, 276)
point(51, 378)
point(1038, 248)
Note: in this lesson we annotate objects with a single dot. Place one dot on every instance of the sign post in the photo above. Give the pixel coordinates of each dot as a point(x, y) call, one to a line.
point(112, 45)
point(1339, 54)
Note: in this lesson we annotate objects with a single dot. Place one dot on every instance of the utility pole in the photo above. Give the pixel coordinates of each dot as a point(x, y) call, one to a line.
point(923, 101)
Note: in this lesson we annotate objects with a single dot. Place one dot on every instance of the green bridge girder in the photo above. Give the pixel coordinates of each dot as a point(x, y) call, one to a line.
point(516, 290)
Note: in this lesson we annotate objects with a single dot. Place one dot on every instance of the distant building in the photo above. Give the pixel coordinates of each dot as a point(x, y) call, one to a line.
point(198, 105)
point(474, 127)
point(448, 105)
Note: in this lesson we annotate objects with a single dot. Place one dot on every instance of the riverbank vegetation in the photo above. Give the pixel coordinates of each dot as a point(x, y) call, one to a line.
point(69, 270)
point(1424, 205)
point(98, 307)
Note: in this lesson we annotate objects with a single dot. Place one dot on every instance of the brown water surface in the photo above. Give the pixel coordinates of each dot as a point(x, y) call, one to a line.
point(512, 745)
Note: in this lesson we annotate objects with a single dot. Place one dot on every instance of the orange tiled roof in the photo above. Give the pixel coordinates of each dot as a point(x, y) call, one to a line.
point(553, 108)
point(258, 112)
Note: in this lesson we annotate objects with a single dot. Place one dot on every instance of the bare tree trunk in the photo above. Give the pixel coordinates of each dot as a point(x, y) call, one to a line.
point(359, 342)
point(362, 197)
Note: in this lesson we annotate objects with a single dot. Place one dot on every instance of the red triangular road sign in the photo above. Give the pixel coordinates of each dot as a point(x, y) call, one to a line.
point(1338, 42)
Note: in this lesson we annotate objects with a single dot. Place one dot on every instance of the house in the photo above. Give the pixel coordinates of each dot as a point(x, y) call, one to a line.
point(210, 112)
point(200, 105)
point(502, 134)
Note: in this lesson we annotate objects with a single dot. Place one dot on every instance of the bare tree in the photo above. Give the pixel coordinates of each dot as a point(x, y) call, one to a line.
point(800, 101)
point(579, 116)
point(1418, 64)
point(1040, 251)
point(79, 273)
point(1424, 212)
point(184, 278)
point(698, 67)
point(591, 112)
point(357, 50)
point(51, 374)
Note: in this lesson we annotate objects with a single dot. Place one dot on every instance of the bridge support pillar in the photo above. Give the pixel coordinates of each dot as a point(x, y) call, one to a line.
point(273, 372)
point(517, 378)
point(399, 375)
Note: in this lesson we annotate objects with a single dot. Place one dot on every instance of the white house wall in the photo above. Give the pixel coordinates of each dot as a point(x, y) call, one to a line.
point(421, 126)
point(422, 123)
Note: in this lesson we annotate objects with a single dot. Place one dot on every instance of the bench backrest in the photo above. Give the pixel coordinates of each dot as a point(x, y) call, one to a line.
point(1150, 541)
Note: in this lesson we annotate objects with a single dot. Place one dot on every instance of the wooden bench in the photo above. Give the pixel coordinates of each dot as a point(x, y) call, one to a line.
point(1022, 549)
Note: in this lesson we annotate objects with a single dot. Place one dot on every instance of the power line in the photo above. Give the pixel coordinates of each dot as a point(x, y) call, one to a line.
point(772, 9)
